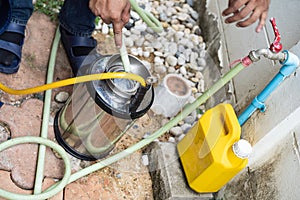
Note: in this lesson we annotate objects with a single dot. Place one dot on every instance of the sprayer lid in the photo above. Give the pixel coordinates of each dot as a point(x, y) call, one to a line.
point(115, 95)
point(242, 149)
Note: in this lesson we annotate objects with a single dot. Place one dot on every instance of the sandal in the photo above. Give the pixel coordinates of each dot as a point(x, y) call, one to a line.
point(72, 43)
point(14, 48)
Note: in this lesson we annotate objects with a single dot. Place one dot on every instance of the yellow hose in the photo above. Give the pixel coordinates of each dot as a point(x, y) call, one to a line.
point(71, 81)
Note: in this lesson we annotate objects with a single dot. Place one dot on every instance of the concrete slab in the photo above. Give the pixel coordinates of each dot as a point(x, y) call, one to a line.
point(167, 175)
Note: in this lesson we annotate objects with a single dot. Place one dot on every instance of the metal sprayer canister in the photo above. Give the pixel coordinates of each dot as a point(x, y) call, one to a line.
point(98, 113)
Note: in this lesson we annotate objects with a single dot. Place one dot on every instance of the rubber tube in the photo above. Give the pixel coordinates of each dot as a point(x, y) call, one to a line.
point(57, 187)
point(106, 162)
point(39, 177)
point(54, 189)
point(148, 18)
point(72, 81)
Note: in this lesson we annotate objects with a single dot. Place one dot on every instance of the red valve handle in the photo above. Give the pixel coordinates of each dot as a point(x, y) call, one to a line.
point(276, 46)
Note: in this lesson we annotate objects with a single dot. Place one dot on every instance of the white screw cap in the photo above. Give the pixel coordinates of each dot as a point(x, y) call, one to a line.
point(242, 149)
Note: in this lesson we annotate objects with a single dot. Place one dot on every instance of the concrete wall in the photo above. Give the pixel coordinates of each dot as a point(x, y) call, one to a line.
point(237, 42)
point(273, 169)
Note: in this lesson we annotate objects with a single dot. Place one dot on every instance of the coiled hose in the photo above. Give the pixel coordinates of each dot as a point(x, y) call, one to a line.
point(68, 177)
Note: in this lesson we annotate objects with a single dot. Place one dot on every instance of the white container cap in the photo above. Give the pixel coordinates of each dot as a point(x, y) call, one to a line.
point(242, 149)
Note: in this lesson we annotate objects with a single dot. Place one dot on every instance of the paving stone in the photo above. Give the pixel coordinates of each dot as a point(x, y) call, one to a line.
point(49, 182)
point(167, 175)
point(7, 184)
point(24, 120)
point(91, 188)
point(21, 159)
point(35, 57)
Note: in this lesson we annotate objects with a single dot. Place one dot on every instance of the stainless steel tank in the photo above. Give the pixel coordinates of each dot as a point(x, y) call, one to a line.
point(98, 113)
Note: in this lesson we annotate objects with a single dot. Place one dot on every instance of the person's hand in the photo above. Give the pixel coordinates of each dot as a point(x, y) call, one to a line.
point(116, 12)
point(246, 12)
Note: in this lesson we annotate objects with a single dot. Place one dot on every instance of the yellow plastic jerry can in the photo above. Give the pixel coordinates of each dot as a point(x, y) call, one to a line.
point(212, 153)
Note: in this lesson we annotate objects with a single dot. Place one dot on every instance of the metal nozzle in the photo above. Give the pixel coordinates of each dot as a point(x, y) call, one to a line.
point(267, 53)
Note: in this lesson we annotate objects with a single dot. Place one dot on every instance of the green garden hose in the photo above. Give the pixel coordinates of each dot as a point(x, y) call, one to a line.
point(57, 187)
point(153, 23)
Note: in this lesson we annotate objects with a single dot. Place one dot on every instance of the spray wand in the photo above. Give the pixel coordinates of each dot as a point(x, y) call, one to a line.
point(124, 55)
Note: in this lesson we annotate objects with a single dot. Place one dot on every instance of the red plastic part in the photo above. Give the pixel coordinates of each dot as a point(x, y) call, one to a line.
point(276, 46)
point(246, 61)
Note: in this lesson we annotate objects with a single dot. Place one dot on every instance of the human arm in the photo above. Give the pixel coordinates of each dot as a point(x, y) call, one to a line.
point(116, 12)
point(246, 12)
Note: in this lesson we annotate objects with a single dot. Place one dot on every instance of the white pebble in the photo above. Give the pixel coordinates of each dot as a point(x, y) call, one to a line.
point(134, 15)
point(182, 70)
point(181, 59)
point(201, 86)
point(158, 53)
point(140, 51)
point(186, 127)
point(171, 60)
point(129, 42)
point(171, 139)
point(160, 69)
point(176, 131)
point(179, 138)
point(145, 160)
point(149, 49)
point(146, 54)
point(158, 60)
point(201, 62)
point(139, 42)
point(62, 97)
point(171, 70)
point(134, 51)
point(199, 75)
point(190, 119)
point(141, 27)
point(156, 45)
point(105, 29)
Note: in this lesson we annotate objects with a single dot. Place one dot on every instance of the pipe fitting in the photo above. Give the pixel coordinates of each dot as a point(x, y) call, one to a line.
point(291, 59)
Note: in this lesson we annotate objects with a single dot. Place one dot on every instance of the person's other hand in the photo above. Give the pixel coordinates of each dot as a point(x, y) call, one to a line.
point(246, 12)
point(116, 12)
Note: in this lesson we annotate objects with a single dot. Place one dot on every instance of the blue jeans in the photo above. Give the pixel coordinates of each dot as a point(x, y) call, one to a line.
point(5, 15)
point(75, 15)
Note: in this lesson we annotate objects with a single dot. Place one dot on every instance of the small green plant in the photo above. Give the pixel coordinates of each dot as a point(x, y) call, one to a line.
point(49, 7)
point(97, 20)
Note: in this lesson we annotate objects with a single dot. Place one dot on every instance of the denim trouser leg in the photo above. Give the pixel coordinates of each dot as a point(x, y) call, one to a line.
point(21, 11)
point(5, 15)
point(76, 17)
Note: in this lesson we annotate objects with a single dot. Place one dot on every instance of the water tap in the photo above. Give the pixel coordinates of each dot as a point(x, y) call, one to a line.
point(274, 51)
